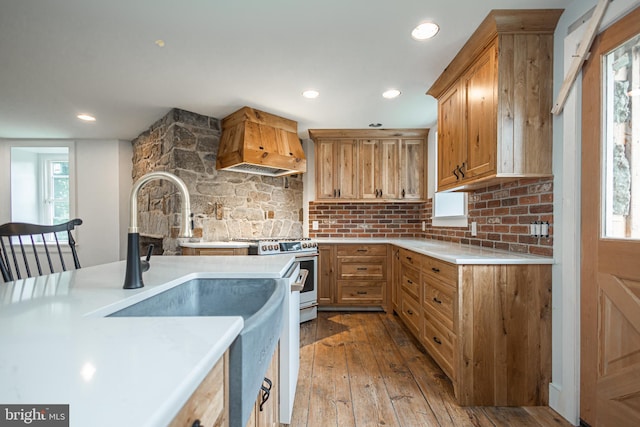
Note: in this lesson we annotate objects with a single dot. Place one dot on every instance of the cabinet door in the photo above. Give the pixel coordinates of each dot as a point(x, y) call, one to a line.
point(347, 170)
point(481, 106)
point(412, 172)
point(389, 171)
point(451, 141)
point(369, 166)
point(326, 276)
point(326, 169)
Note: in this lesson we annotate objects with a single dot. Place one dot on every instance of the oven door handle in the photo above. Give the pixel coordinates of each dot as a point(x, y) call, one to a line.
point(299, 284)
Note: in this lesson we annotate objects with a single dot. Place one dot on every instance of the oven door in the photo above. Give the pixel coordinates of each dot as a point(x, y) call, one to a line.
point(309, 293)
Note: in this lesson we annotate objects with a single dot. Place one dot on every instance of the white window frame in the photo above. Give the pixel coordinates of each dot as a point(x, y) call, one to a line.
point(5, 187)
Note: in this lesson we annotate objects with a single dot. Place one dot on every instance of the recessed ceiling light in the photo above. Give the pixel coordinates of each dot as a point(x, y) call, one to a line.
point(425, 31)
point(159, 43)
point(86, 117)
point(311, 94)
point(391, 93)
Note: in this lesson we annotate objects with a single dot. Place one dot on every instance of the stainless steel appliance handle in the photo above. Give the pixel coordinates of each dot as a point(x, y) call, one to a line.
point(299, 284)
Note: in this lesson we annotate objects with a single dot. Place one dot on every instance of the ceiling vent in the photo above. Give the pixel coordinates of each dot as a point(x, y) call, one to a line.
point(260, 143)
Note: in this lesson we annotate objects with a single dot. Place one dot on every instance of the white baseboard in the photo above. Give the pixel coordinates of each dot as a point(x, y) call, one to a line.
point(567, 410)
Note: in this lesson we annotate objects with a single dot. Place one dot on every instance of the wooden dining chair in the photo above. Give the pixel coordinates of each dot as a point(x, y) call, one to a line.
point(22, 245)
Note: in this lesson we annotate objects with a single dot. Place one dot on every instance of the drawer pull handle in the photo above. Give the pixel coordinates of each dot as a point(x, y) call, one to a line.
point(436, 300)
point(410, 312)
point(361, 250)
point(362, 268)
point(409, 282)
point(437, 340)
point(408, 257)
point(196, 423)
point(361, 292)
point(435, 270)
point(266, 392)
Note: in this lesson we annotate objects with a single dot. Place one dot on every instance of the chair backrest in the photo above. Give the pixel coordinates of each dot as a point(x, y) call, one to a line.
point(18, 239)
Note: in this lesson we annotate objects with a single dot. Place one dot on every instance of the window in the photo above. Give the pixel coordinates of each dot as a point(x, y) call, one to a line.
point(41, 183)
point(621, 182)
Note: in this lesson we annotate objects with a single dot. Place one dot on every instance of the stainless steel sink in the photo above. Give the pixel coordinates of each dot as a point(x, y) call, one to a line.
point(260, 302)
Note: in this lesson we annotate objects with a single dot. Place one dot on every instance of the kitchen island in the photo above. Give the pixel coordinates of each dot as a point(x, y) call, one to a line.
point(59, 348)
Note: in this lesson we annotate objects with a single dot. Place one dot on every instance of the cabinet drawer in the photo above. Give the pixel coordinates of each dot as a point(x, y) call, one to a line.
point(353, 292)
point(366, 268)
point(411, 258)
point(448, 273)
point(439, 342)
point(411, 282)
point(439, 299)
point(362, 250)
point(410, 312)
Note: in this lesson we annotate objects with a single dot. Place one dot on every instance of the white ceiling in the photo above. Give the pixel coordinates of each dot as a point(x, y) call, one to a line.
point(65, 57)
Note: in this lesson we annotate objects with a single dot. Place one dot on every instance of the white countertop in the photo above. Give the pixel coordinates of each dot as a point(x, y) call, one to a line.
point(58, 348)
point(454, 253)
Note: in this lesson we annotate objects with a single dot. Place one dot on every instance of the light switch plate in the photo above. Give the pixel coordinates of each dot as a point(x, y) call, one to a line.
point(315, 225)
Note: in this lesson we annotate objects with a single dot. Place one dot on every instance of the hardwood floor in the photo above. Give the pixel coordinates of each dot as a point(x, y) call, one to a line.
point(364, 369)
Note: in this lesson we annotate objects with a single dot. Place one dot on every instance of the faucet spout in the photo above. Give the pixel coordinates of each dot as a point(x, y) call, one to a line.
point(133, 276)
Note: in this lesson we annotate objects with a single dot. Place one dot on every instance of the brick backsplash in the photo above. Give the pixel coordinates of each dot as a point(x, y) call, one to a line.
point(366, 219)
point(503, 213)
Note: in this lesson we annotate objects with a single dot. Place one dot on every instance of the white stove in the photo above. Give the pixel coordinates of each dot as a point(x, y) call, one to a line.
point(306, 253)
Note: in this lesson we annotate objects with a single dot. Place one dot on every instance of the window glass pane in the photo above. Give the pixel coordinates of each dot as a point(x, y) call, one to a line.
point(40, 187)
point(621, 182)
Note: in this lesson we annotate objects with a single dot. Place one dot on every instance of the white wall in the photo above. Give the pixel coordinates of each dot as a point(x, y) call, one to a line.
point(564, 391)
point(103, 181)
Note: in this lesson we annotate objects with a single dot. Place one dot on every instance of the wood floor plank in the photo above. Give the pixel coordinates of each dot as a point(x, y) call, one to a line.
point(330, 400)
point(362, 369)
point(300, 413)
point(410, 405)
point(371, 403)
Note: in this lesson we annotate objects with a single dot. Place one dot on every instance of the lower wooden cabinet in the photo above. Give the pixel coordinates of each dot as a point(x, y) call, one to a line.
point(267, 414)
point(353, 275)
point(487, 326)
point(209, 404)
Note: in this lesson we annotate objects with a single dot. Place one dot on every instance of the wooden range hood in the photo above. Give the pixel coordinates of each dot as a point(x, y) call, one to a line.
point(260, 143)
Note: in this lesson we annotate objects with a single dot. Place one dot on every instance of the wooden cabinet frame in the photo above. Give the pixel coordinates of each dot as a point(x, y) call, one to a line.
point(494, 102)
point(379, 165)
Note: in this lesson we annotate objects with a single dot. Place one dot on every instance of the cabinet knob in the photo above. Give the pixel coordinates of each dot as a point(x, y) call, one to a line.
point(437, 340)
point(196, 423)
point(403, 193)
point(409, 282)
point(436, 300)
point(435, 270)
point(410, 312)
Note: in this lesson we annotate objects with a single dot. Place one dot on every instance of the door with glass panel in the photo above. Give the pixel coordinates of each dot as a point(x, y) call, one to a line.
point(610, 272)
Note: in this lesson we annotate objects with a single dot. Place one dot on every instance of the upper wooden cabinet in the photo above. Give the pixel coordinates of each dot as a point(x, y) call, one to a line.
point(370, 165)
point(494, 102)
point(338, 161)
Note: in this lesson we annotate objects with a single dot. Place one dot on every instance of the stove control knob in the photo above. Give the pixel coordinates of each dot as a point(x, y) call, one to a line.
point(264, 247)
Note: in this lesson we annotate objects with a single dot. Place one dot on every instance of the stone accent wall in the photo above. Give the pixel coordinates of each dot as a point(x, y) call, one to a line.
point(225, 204)
point(503, 213)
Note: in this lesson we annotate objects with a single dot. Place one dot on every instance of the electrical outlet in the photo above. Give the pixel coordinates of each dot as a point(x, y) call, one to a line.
point(424, 226)
point(315, 225)
point(474, 228)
